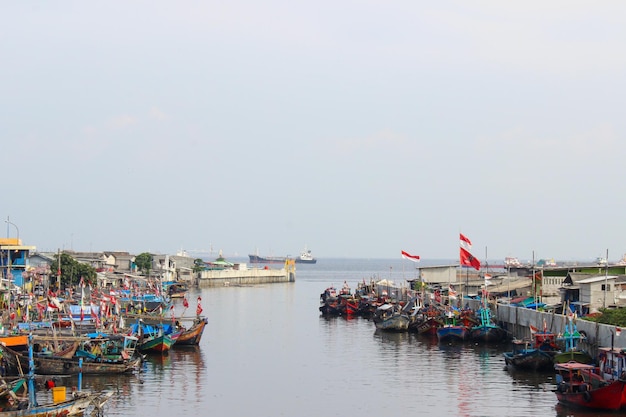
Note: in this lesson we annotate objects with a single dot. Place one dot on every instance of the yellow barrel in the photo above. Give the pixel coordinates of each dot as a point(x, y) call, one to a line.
point(58, 394)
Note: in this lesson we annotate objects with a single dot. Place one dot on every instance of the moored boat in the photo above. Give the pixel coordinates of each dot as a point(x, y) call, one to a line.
point(192, 336)
point(451, 331)
point(572, 337)
point(390, 317)
point(579, 386)
point(525, 357)
point(486, 331)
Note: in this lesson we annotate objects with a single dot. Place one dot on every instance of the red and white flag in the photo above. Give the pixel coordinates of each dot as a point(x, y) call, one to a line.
point(414, 258)
point(618, 331)
point(465, 242)
point(468, 259)
point(199, 308)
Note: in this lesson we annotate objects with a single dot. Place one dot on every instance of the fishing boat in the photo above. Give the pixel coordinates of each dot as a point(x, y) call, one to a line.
point(451, 331)
point(427, 321)
point(390, 317)
point(487, 331)
point(572, 338)
point(525, 357)
point(76, 405)
point(193, 334)
point(51, 365)
point(157, 338)
point(579, 386)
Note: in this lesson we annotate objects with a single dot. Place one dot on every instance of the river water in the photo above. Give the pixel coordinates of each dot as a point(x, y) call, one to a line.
point(266, 352)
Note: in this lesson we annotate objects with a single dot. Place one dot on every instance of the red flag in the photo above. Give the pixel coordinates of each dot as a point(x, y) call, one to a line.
point(468, 259)
point(406, 255)
point(465, 242)
point(199, 308)
point(185, 302)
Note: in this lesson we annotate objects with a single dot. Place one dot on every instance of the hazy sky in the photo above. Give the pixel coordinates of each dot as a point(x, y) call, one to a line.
point(356, 128)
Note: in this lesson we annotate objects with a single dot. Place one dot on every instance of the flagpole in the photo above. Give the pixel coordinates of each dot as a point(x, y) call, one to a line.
point(606, 276)
point(534, 288)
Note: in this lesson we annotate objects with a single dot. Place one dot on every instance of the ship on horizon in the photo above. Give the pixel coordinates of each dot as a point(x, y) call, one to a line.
point(305, 258)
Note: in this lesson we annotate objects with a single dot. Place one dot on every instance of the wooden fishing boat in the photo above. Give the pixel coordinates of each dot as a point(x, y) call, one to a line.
point(158, 343)
point(579, 386)
point(15, 342)
point(571, 338)
point(525, 357)
point(192, 336)
point(13, 405)
point(427, 321)
point(76, 405)
point(388, 317)
point(50, 365)
point(487, 331)
point(451, 331)
point(156, 338)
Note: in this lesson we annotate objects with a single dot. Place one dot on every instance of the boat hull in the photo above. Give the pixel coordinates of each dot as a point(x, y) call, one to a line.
point(608, 397)
point(256, 259)
point(18, 362)
point(487, 334)
point(193, 335)
point(576, 356)
point(529, 360)
point(447, 334)
point(158, 344)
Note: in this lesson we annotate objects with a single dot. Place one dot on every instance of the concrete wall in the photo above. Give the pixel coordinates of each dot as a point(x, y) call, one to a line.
point(253, 276)
point(517, 321)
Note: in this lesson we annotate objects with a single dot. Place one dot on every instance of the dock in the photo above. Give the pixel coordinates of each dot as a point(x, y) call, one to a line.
point(242, 275)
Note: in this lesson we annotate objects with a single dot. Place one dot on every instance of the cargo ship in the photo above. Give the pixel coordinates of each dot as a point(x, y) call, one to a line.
point(305, 258)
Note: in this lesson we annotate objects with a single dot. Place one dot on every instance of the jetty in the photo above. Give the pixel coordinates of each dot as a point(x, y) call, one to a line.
point(240, 274)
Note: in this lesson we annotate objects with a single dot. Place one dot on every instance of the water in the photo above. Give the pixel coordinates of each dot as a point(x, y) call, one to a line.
point(267, 352)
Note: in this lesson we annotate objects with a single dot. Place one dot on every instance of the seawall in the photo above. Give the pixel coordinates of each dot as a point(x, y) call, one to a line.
point(516, 321)
point(252, 276)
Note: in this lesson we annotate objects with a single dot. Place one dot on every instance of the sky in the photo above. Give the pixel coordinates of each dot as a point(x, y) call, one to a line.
point(352, 128)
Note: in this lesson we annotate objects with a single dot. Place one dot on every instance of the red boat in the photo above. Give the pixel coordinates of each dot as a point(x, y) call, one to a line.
point(580, 385)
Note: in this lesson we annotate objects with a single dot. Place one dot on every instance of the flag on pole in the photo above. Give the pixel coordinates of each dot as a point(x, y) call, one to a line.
point(199, 308)
point(451, 292)
point(487, 279)
point(618, 331)
point(468, 259)
point(465, 242)
point(406, 255)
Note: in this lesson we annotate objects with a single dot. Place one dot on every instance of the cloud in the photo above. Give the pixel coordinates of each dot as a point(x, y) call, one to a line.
point(121, 122)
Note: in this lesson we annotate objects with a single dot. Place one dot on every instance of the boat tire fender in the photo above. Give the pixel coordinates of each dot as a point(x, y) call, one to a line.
point(587, 396)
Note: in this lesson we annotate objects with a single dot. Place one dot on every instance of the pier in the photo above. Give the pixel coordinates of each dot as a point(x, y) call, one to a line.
point(242, 275)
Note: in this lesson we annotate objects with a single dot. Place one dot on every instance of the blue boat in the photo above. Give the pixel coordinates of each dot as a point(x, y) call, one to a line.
point(451, 331)
point(487, 331)
point(524, 357)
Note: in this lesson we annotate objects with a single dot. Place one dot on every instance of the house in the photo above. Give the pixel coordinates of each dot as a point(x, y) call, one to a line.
point(119, 261)
point(591, 293)
point(14, 261)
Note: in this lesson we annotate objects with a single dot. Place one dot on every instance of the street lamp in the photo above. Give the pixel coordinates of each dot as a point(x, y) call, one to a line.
point(14, 225)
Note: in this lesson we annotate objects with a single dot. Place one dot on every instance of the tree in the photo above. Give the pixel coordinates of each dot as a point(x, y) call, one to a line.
point(72, 271)
point(144, 262)
point(198, 265)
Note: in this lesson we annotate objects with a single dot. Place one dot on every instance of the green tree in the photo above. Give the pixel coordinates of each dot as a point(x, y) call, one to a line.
point(144, 262)
point(198, 265)
point(72, 271)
